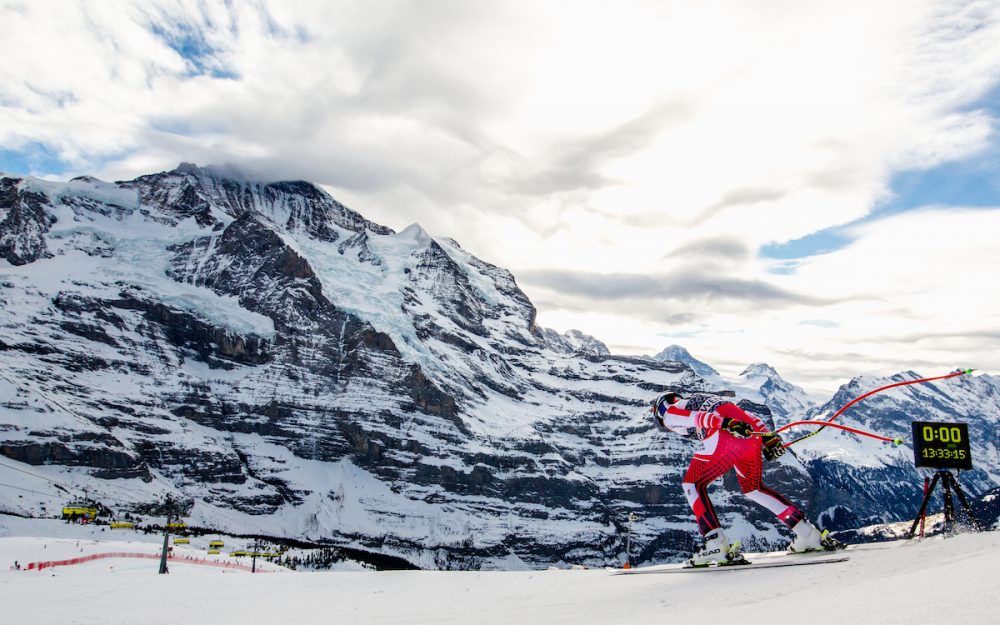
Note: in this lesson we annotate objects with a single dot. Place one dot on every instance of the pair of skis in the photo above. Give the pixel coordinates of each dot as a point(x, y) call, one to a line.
point(770, 563)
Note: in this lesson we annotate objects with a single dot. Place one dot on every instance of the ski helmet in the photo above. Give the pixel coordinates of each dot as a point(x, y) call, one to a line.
point(664, 401)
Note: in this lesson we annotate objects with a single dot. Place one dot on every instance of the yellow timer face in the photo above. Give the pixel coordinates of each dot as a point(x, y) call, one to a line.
point(942, 445)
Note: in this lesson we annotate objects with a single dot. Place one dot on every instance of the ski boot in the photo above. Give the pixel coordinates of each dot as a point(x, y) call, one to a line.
point(717, 551)
point(808, 538)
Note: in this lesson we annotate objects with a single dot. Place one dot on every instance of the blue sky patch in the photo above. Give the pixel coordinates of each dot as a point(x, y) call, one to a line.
point(33, 159)
point(190, 43)
point(39, 160)
point(968, 183)
point(828, 240)
point(971, 182)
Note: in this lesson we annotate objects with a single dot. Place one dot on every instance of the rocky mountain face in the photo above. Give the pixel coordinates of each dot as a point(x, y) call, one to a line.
point(291, 368)
point(574, 342)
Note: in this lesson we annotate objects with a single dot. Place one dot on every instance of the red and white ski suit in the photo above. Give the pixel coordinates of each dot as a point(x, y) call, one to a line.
point(720, 451)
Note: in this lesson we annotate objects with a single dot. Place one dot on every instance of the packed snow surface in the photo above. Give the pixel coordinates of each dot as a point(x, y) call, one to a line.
point(936, 580)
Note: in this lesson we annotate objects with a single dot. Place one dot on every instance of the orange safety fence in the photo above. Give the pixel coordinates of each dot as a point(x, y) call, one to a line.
point(38, 566)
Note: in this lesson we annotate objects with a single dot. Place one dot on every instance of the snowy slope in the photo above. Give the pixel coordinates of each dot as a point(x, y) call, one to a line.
point(937, 580)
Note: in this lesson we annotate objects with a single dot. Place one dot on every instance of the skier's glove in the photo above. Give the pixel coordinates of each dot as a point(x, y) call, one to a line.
point(739, 429)
point(773, 446)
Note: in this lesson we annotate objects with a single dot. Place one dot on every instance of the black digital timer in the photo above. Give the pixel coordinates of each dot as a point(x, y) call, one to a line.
point(942, 445)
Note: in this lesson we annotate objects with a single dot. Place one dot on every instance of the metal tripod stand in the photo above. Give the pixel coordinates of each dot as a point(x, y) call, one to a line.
point(950, 484)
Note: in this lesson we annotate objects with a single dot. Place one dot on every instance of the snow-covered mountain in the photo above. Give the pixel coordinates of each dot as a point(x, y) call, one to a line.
point(676, 353)
point(288, 367)
point(787, 402)
point(759, 383)
point(574, 342)
point(271, 356)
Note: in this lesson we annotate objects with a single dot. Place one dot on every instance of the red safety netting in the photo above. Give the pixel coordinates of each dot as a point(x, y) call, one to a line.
point(38, 566)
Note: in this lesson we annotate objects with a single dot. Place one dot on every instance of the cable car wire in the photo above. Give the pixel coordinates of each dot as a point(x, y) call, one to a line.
point(41, 477)
point(32, 387)
point(59, 497)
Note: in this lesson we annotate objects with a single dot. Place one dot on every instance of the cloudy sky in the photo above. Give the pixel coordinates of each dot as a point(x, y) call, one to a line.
point(810, 184)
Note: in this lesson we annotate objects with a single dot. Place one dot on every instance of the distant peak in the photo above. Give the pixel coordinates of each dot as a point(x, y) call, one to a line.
point(677, 353)
point(416, 233)
point(586, 342)
point(227, 171)
point(762, 369)
point(575, 341)
point(673, 352)
point(88, 179)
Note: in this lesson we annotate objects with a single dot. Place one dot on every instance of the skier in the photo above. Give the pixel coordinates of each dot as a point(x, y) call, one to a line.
point(731, 438)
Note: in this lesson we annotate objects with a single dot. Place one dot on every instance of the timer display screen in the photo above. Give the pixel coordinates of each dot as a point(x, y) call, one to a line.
point(941, 445)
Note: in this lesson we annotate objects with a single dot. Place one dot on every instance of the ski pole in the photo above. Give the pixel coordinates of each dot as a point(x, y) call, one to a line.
point(869, 394)
point(895, 441)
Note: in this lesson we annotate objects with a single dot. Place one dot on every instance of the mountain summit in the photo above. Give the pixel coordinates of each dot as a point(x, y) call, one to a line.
point(786, 401)
point(677, 353)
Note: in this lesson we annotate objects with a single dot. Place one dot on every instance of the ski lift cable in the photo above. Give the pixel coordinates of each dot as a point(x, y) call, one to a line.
point(35, 389)
point(238, 523)
point(136, 499)
point(66, 487)
point(28, 490)
point(41, 477)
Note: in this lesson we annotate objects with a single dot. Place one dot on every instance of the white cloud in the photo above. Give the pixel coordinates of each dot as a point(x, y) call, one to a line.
point(547, 137)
